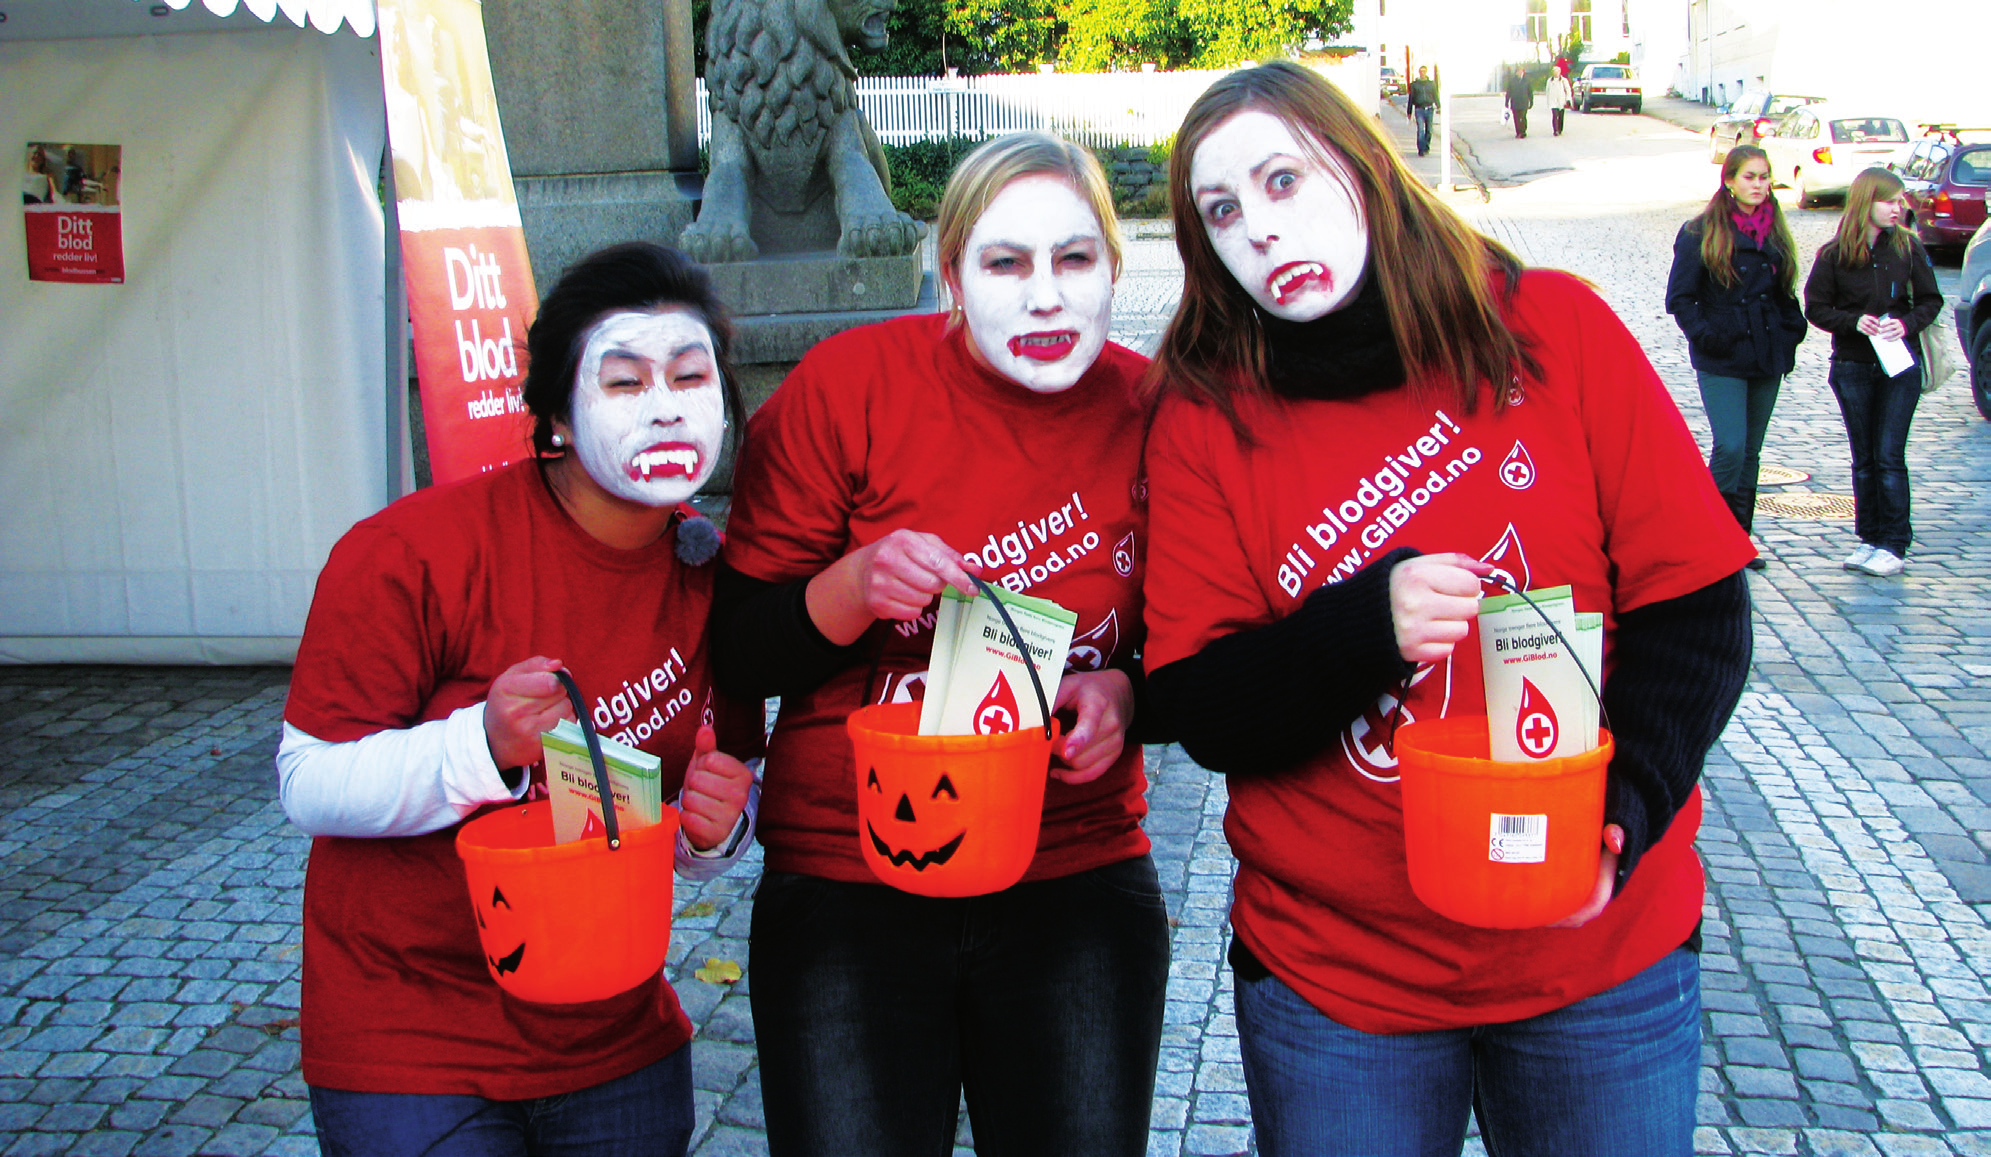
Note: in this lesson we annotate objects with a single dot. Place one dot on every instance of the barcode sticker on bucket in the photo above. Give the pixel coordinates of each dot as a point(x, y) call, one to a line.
point(1518, 839)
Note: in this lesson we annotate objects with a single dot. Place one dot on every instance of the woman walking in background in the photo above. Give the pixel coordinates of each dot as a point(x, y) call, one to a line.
point(1733, 291)
point(1873, 283)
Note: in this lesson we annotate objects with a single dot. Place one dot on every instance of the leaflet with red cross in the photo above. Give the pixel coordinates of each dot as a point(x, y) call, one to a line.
point(1539, 702)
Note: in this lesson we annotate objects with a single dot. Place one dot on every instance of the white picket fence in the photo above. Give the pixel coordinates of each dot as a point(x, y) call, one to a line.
point(1100, 108)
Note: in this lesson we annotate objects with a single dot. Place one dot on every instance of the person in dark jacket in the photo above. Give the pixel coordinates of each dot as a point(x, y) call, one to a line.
point(1520, 98)
point(1873, 282)
point(1733, 291)
point(1423, 104)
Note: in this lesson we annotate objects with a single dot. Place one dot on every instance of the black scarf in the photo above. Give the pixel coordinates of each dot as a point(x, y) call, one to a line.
point(1345, 354)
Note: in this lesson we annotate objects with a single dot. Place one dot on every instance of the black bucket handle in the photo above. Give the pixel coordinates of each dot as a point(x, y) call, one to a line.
point(606, 796)
point(1603, 713)
point(1023, 649)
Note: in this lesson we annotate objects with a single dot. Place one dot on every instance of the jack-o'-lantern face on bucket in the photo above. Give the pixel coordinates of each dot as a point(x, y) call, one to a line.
point(496, 912)
point(920, 834)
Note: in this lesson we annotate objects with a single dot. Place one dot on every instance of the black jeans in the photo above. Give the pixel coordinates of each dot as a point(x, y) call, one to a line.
point(1878, 410)
point(874, 1008)
point(1555, 118)
point(1520, 122)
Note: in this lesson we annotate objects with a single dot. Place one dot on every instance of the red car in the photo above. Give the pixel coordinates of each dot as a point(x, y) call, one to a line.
point(1945, 188)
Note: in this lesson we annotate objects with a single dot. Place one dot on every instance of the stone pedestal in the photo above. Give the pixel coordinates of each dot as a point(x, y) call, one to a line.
point(596, 100)
point(771, 342)
point(568, 217)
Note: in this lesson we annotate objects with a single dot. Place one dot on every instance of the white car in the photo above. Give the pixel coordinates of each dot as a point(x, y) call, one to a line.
point(1817, 149)
point(1612, 85)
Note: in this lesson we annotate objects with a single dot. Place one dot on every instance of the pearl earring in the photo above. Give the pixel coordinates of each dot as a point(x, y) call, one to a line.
point(559, 440)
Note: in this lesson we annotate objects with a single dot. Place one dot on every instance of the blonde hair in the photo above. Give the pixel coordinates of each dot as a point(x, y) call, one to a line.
point(982, 176)
point(1868, 186)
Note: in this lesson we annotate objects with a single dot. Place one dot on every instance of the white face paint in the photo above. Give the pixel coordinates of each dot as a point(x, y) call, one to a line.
point(1036, 283)
point(649, 410)
point(1285, 224)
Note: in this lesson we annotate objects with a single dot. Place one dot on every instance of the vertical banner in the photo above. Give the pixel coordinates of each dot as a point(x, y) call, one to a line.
point(470, 291)
point(69, 198)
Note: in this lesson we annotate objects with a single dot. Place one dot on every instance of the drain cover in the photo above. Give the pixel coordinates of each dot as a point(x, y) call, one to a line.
point(1805, 505)
point(1779, 476)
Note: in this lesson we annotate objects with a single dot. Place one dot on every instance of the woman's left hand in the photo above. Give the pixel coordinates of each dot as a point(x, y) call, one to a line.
point(1891, 329)
point(1104, 701)
point(715, 793)
point(1607, 876)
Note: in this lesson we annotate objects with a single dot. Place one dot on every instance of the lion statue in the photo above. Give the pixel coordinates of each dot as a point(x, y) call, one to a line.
point(787, 134)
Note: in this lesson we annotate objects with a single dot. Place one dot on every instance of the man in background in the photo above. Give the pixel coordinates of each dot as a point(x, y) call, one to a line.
point(1423, 103)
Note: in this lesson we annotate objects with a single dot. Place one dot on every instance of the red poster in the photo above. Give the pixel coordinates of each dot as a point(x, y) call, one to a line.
point(69, 197)
point(471, 297)
point(470, 290)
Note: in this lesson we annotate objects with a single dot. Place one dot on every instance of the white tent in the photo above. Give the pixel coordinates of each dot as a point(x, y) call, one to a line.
point(179, 452)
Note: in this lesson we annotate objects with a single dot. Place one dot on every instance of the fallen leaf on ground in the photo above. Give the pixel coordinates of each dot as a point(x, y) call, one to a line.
point(701, 908)
point(717, 971)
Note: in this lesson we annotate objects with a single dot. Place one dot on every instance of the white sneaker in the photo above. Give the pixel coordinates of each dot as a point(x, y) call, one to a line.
point(1858, 559)
point(1882, 562)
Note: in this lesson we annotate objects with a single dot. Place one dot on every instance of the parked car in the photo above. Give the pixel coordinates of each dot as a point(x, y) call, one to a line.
point(1392, 81)
point(1615, 85)
point(1817, 148)
point(1973, 316)
point(1945, 185)
point(1750, 119)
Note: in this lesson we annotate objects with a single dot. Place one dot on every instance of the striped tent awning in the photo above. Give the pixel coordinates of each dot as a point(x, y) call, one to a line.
point(324, 15)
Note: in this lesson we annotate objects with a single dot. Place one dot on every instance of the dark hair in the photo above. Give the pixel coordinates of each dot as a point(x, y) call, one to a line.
point(633, 276)
point(1716, 224)
point(1435, 271)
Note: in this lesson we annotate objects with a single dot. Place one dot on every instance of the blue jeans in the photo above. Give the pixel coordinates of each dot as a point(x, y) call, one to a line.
point(1422, 114)
point(1738, 418)
point(874, 1009)
point(1615, 1073)
point(1878, 410)
point(645, 1114)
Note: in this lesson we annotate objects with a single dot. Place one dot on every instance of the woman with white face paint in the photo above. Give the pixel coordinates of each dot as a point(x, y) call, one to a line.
point(1001, 439)
point(422, 685)
point(1354, 375)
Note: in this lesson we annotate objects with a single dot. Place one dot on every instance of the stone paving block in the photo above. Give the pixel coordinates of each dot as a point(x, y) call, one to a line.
point(1908, 1145)
point(41, 1145)
point(1777, 1141)
point(105, 1143)
point(1905, 1114)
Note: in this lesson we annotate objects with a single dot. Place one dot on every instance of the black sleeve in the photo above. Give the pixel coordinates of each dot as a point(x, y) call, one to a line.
point(1679, 668)
point(1683, 284)
point(764, 642)
point(1274, 695)
point(1925, 297)
point(1821, 292)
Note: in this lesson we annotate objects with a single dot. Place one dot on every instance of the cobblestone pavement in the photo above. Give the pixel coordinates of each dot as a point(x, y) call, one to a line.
point(149, 885)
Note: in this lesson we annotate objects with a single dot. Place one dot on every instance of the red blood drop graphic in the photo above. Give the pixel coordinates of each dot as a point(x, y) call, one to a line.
point(593, 827)
point(1535, 726)
point(996, 713)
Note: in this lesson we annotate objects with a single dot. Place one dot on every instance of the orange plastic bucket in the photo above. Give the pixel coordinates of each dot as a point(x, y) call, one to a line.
point(947, 815)
point(566, 923)
point(1494, 844)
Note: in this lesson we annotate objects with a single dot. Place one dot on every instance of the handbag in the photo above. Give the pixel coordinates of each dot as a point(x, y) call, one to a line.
point(1937, 364)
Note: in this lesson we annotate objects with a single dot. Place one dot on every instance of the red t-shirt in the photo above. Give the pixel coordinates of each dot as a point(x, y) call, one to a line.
point(1590, 478)
point(418, 609)
point(896, 425)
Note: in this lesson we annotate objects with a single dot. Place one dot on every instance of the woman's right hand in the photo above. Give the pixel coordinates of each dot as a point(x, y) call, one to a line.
point(1885, 328)
point(525, 701)
point(895, 577)
point(1433, 601)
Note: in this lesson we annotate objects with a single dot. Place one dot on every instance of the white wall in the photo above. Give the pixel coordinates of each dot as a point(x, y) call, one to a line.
point(180, 451)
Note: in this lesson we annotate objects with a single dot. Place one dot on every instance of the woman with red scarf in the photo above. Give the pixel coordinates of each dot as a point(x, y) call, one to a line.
point(1733, 290)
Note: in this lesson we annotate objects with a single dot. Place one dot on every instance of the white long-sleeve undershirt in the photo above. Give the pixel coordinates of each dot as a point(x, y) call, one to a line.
point(415, 780)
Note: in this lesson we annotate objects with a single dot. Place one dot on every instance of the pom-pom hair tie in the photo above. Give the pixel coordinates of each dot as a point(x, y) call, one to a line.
point(697, 541)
